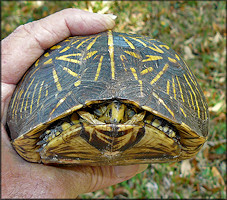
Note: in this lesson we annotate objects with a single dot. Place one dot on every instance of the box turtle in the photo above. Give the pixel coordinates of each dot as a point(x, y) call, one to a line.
point(108, 99)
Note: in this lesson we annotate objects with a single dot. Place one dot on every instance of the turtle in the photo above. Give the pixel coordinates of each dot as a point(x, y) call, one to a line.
point(109, 98)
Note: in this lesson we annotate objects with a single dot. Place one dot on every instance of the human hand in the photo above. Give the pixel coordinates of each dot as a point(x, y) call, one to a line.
point(21, 179)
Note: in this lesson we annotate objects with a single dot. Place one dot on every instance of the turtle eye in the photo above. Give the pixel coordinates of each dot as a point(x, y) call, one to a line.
point(130, 113)
point(97, 112)
point(117, 105)
point(110, 113)
point(100, 110)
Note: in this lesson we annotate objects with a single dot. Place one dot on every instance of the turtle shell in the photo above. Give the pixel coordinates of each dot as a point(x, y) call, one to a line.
point(99, 69)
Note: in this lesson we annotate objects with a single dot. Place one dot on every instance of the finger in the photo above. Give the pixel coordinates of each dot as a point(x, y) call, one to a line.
point(27, 180)
point(7, 90)
point(78, 180)
point(96, 178)
point(28, 42)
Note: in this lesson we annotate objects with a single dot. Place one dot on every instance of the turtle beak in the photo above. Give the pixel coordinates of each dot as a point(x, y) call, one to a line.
point(115, 113)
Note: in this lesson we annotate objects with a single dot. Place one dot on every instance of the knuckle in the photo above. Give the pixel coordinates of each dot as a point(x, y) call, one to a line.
point(27, 28)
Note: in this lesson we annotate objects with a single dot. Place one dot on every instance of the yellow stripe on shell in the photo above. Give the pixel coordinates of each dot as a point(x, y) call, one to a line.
point(93, 42)
point(77, 83)
point(26, 94)
point(189, 103)
point(17, 103)
point(33, 97)
point(65, 49)
point(163, 45)
point(96, 56)
point(138, 40)
point(192, 100)
point(172, 60)
point(36, 63)
point(134, 73)
point(152, 58)
point(205, 117)
point(78, 46)
point(141, 87)
point(26, 104)
point(32, 72)
point(167, 87)
point(163, 103)
point(145, 71)
point(183, 112)
point(55, 47)
point(71, 72)
point(65, 58)
point(60, 102)
point(98, 68)
point(155, 48)
point(195, 84)
point(177, 57)
point(67, 40)
point(191, 75)
point(46, 54)
point(40, 90)
point(158, 76)
point(198, 109)
point(56, 80)
point(48, 61)
point(14, 98)
point(182, 97)
point(111, 52)
point(131, 53)
point(90, 54)
point(128, 42)
point(122, 57)
point(75, 42)
point(174, 89)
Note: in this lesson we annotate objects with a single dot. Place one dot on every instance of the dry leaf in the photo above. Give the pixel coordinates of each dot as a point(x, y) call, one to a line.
point(221, 117)
point(217, 174)
point(216, 107)
point(107, 191)
point(206, 152)
point(214, 156)
point(104, 10)
point(217, 38)
point(213, 190)
point(185, 167)
point(195, 165)
point(188, 41)
point(121, 191)
point(188, 53)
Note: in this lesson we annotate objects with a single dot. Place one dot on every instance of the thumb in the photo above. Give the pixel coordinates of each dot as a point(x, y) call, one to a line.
point(95, 178)
point(125, 172)
point(111, 175)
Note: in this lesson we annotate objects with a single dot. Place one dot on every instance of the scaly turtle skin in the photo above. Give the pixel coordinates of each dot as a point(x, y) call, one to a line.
point(108, 99)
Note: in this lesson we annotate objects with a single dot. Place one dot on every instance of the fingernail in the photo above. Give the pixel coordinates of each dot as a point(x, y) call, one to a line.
point(141, 168)
point(112, 16)
point(130, 170)
point(110, 20)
